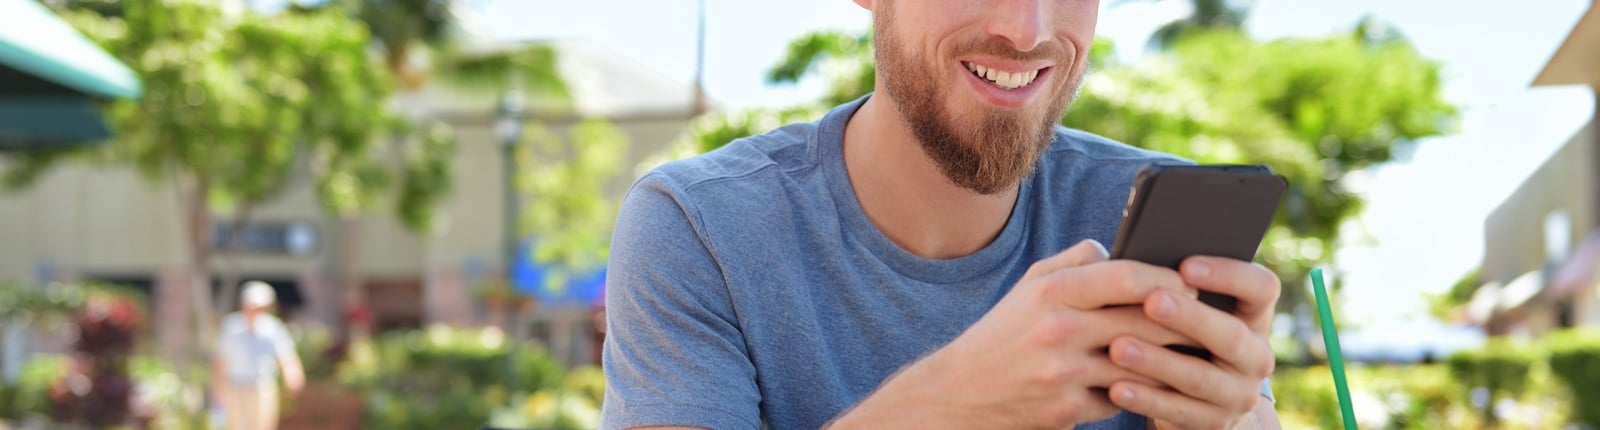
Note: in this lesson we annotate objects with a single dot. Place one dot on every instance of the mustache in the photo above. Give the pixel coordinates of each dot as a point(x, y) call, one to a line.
point(1049, 50)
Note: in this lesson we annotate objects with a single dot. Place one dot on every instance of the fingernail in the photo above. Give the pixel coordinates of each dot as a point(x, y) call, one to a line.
point(1130, 354)
point(1166, 308)
point(1199, 269)
point(1125, 395)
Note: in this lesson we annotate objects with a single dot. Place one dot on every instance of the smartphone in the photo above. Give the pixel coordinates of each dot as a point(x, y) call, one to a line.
point(1178, 211)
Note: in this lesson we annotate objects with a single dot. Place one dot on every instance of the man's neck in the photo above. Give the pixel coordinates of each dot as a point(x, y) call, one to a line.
point(906, 196)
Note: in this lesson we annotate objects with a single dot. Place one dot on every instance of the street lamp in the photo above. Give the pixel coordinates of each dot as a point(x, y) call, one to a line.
point(508, 129)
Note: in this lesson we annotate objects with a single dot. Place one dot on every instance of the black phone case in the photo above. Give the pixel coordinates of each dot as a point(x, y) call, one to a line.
point(1175, 212)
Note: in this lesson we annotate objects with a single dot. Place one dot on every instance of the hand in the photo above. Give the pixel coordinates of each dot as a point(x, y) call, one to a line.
point(294, 382)
point(1037, 359)
point(1216, 394)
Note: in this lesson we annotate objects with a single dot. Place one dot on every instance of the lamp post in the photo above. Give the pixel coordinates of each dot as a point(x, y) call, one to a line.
point(508, 129)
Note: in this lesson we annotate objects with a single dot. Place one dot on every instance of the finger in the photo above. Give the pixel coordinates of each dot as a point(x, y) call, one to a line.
point(1100, 372)
point(1125, 321)
point(1191, 376)
point(1225, 335)
point(1085, 252)
point(1165, 405)
point(1256, 287)
point(1110, 283)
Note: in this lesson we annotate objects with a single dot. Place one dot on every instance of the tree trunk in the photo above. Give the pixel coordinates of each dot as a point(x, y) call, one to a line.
point(230, 254)
point(198, 211)
point(350, 273)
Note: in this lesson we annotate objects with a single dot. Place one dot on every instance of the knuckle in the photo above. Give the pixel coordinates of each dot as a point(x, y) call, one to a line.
point(1124, 276)
point(1065, 412)
point(1061, 374)
point(1055, 328)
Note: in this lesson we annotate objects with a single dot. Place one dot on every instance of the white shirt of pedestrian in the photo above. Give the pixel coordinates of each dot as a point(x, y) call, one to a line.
point(250, 354)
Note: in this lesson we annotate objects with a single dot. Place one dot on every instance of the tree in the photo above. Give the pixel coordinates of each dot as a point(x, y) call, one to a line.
point(571, 218)
point(421, 39)
point(236, 105)
point(1312, 109)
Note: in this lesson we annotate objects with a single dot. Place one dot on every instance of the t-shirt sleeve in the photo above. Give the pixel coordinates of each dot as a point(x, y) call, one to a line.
point(282, 345)
point(1266, 390)
point(673, 352)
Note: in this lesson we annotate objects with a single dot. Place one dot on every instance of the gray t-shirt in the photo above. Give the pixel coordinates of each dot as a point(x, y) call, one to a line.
point(747, 288)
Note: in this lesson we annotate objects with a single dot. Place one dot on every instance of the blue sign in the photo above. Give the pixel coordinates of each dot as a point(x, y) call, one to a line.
point(530, 278)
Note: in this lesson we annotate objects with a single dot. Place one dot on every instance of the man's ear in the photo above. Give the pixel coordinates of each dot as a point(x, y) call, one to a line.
point(865, 4)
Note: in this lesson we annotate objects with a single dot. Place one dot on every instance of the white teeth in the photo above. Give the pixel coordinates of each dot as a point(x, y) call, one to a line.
point(1003, 79)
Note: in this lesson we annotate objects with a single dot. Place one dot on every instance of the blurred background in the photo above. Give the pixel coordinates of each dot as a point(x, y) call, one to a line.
point(429, 186)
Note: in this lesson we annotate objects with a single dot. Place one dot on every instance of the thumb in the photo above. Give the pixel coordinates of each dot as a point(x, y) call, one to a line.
point(1086, 252)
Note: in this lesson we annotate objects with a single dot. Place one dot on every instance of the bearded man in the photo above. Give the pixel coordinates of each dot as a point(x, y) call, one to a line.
point(928, 256)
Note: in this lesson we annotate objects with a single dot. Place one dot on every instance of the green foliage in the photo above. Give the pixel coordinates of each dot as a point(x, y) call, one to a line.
point(241, 104)
point(1312, 109)
point(1575, 360)
point(29, 396)
point(1405, 397)
point(444, 377)
point(30, 305)
point(844, 59)
point(1443, 305)
point(1501, 367)
point(174, 394)
point(568, 213)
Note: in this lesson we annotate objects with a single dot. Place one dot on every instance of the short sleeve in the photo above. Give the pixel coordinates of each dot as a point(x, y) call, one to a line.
point(673, 351)
point(1266, 390)
point(278, 334)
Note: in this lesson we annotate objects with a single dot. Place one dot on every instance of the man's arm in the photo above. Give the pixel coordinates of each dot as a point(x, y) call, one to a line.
point(294, 376)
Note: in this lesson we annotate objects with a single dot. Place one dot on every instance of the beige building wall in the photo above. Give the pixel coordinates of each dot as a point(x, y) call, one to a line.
point(83, 220)
point(1515, 232)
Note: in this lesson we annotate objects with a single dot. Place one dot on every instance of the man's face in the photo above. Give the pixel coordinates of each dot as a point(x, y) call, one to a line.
point(985, 133)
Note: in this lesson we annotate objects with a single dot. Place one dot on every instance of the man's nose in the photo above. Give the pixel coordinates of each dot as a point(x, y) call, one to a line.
point(1023, 23)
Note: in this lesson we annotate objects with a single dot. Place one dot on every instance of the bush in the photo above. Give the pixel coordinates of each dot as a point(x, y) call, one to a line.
point(1575, 360)
point(444, 377)
point(30, 395)
point(1501, 367)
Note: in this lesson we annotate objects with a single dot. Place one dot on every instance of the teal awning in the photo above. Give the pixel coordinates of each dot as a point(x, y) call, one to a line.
point(50, 79)
point(34, 41)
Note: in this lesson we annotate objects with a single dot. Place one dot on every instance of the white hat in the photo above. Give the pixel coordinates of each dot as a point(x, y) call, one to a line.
point(257, 294)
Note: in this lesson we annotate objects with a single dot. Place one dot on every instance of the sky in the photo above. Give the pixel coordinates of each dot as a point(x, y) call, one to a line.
point(1423, 225)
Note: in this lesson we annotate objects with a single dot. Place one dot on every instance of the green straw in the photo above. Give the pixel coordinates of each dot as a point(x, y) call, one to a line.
point(1330, 338)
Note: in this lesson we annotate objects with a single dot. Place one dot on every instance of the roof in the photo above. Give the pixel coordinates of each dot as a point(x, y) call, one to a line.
point(50, 80)
point(1577, 61)
point(602, 84)
point(37, 43)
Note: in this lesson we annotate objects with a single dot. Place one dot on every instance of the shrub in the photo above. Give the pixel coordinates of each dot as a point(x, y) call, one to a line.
point(444, 377)
point(1575, 360)
point(1501, 367)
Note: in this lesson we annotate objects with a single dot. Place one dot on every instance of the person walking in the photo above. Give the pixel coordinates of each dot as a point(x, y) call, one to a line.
point(252, 348)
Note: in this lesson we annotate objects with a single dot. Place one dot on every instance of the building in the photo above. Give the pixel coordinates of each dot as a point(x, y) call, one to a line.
point(90, 222)
point(1542, 244)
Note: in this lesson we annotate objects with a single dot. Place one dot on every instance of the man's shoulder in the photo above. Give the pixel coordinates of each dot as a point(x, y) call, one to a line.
point(785, 149)
point(1083, 144)
point(749, 169)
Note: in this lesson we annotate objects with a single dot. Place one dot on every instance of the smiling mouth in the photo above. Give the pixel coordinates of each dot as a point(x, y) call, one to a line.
point(1003, 79)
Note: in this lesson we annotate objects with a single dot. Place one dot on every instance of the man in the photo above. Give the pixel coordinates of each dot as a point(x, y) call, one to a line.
point(926, 257)
point(252, 347)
